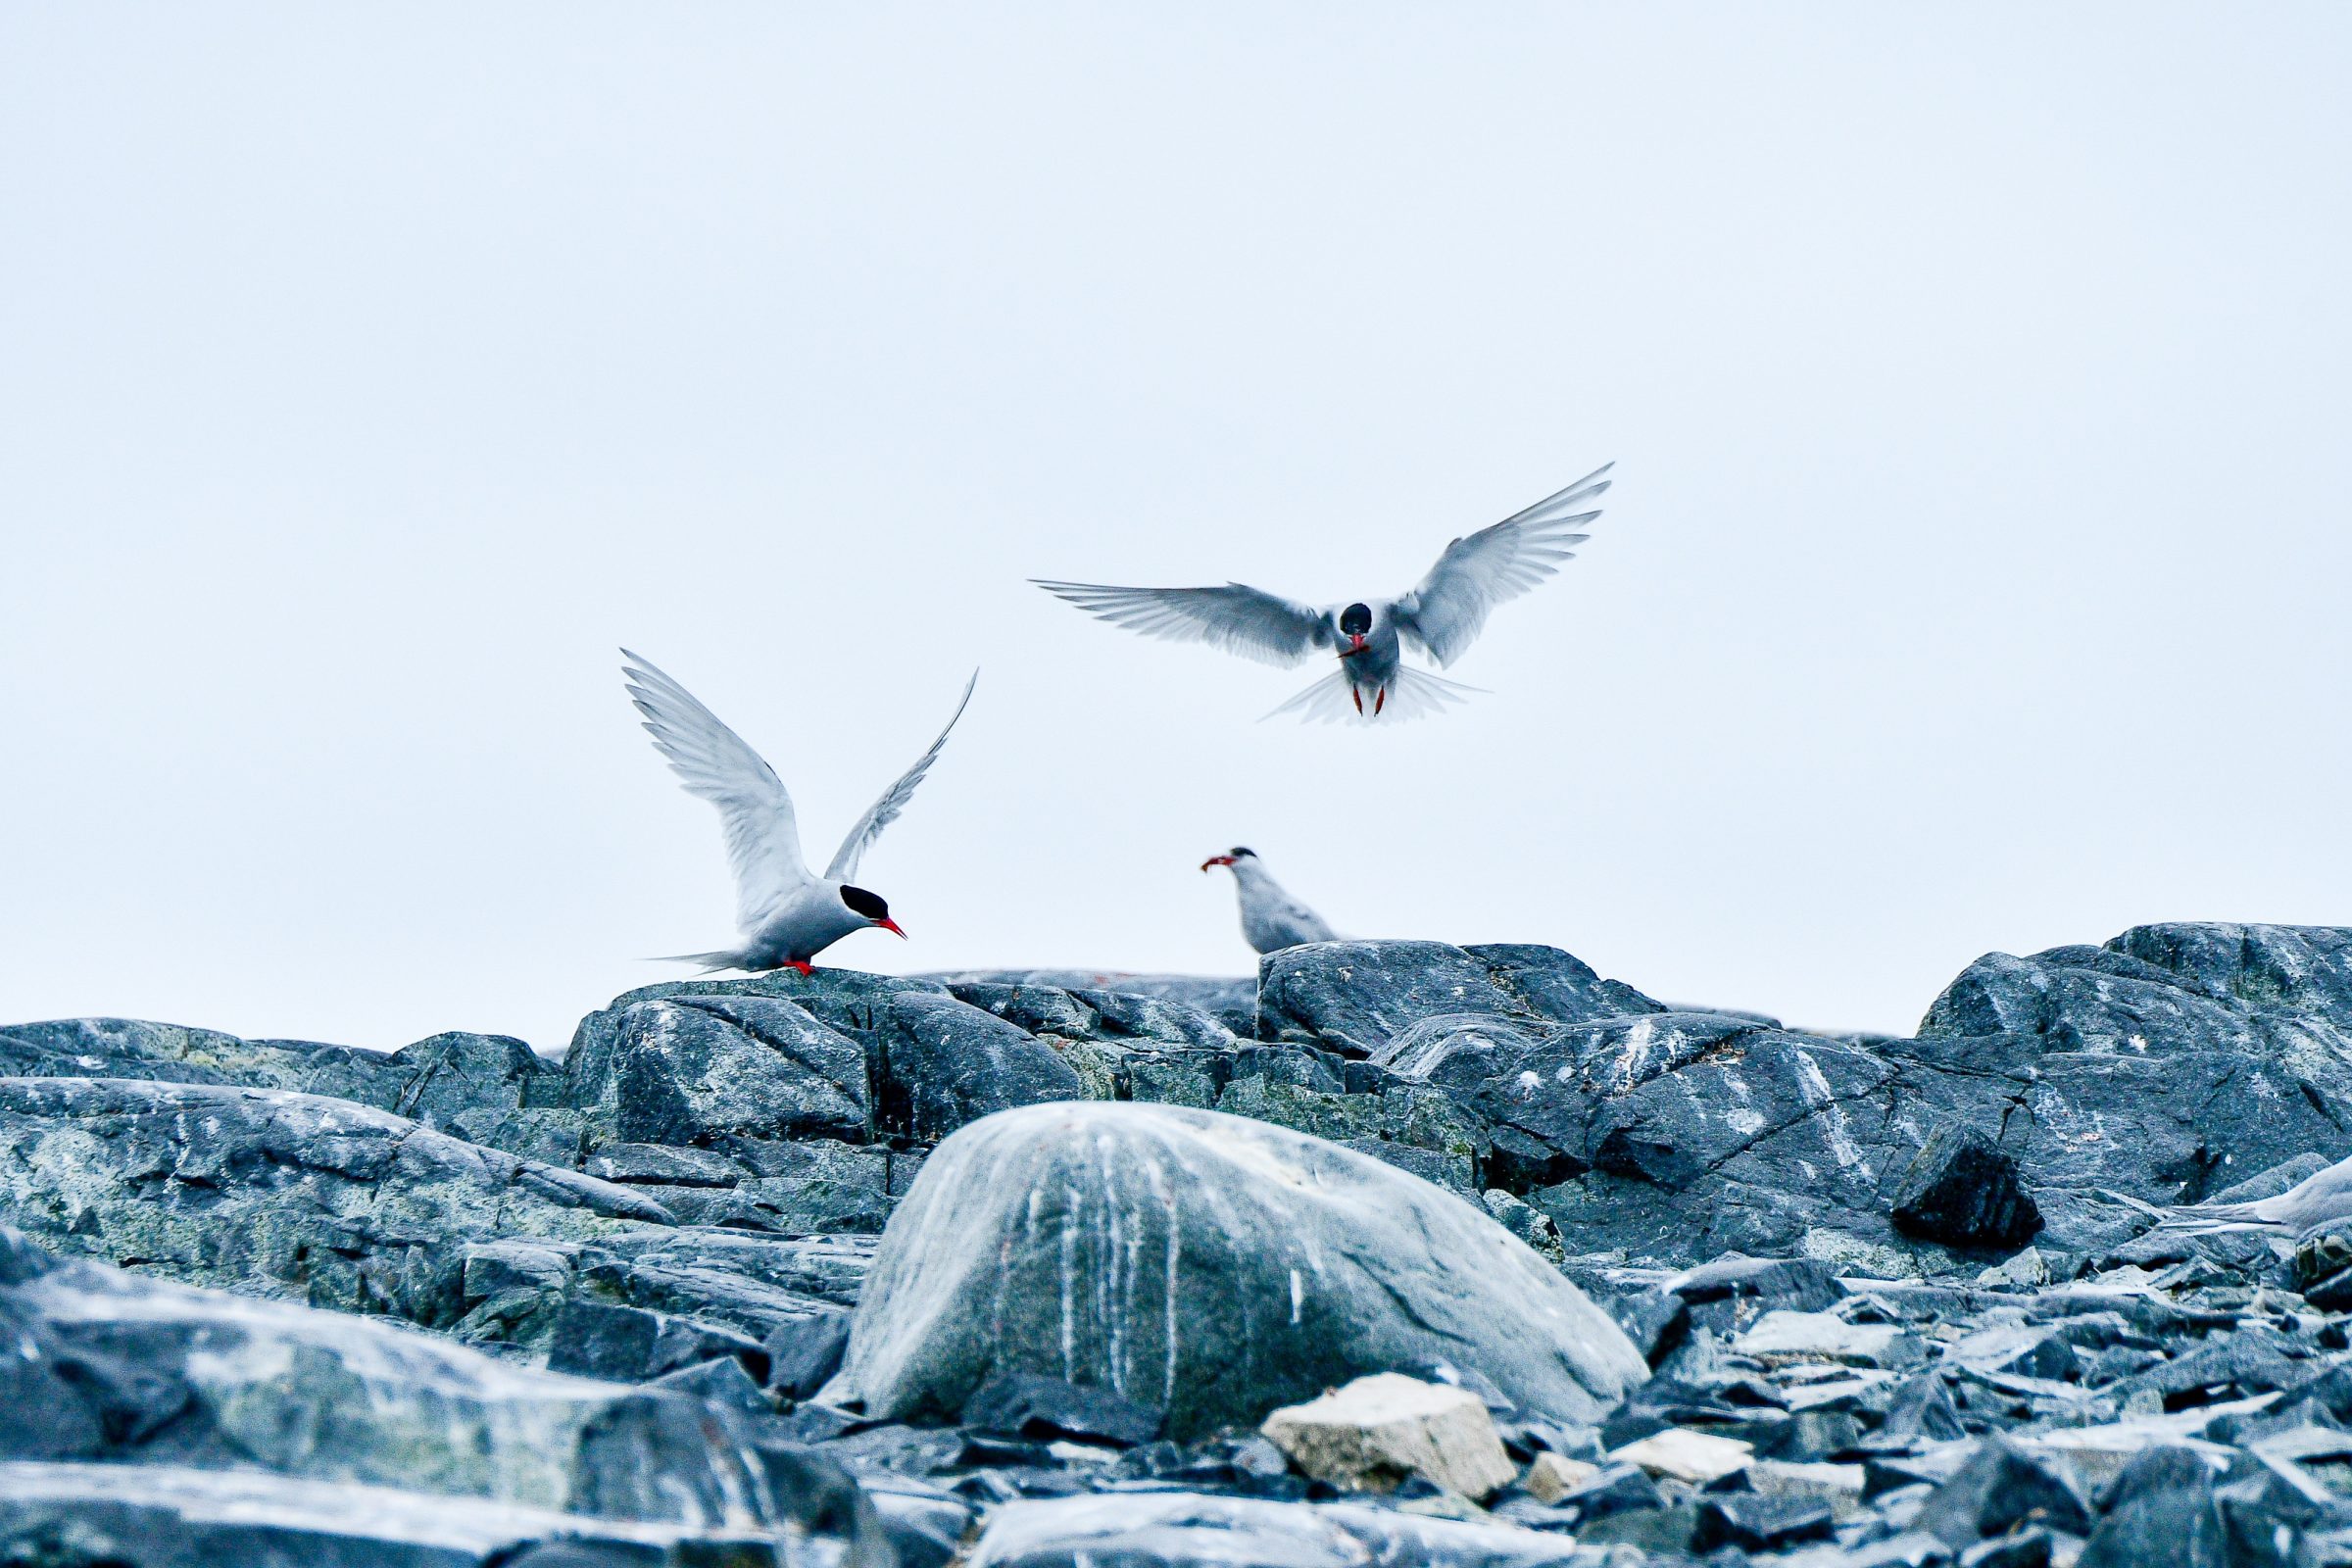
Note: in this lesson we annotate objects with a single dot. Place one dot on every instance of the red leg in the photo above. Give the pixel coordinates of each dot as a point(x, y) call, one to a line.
point(801, 967)
point(1359, 698)
point(1379, 702)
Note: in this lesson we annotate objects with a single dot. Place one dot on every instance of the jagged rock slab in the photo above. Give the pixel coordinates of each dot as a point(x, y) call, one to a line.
point(105, 1364)
point(2169, 1062)
point(1352, 997)
point(487, 1089)
point(1183, 1530)
point(931, 1063)
point(347, 1207)
point(706, 1072)
point(1231, 1002)
point(170, 1516)
point(1213, 1265)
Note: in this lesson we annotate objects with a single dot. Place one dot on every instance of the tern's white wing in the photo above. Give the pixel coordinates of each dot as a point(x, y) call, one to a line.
point(1237, 617)
point(1446, 611)
point(764, 838)
point(885, 811)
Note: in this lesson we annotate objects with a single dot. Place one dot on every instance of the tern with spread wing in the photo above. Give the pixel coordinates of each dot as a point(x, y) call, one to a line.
point(1442, 616)
point(787, 917)
point(1272, 918)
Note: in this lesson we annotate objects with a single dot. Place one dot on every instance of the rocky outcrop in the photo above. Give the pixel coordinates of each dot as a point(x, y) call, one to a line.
point(104, 1365)
point(1210, 1265)
point(1353, 997)
point(1845, 1299)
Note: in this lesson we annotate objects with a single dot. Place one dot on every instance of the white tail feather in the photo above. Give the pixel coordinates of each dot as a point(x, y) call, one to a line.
point(711, 962)
point(1413, 694)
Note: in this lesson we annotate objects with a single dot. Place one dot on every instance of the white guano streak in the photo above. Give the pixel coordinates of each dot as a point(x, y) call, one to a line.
point(1816, 1089)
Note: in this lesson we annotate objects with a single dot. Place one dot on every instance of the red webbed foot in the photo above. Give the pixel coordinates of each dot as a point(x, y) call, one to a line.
point(801, 967)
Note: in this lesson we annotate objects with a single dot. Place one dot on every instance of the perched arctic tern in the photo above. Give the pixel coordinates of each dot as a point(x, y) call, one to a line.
point(1442, 616)
point(786, 915)
point(1271, 918)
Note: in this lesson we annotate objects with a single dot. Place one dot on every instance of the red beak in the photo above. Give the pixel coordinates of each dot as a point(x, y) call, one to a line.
point(892, 926)
point(1355, 645)
point(1217, 859)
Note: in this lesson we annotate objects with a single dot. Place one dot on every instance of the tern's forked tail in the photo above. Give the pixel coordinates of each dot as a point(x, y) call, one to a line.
point(711, 962)
point(1413, 694)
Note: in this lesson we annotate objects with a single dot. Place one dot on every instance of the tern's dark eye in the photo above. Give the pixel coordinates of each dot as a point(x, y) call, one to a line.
point(1357, 620)
point(869, 904)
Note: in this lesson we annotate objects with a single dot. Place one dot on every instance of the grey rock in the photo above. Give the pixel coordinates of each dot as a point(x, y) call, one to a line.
point(1998, 1489)
point(133, 1047)
point(212, 1381)
point(1756, 1523)
point(1217, 1265)
point(264, 1190)
point(2200, 1049)
point(633, 1344)
point(1353, 997)
point(1760, 1284)
point(173, 1516)
point(803, 1355)
point(946, 1064)
point(698, 1069)
point(2159, 1513)
point(1962, 1189)
point(1028, 1405)
point(346, 1206)
point(1100, 1015)
point(1232, 1003)
point(1184, 1530)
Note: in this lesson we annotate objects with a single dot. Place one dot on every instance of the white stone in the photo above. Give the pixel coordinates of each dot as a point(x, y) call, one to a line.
point(1837, 1485)
point(1380, 1429)
point(1781, 1337)
point(1553, 1476)
point(1682, 1455)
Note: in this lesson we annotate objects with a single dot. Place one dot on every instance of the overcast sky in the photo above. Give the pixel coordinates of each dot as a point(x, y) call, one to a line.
point(1975, 579)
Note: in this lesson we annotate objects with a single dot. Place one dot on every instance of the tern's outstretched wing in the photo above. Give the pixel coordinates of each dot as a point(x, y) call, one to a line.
point(764, 839)
point(885, 811)
point(1446, 611)
point(1237, 617)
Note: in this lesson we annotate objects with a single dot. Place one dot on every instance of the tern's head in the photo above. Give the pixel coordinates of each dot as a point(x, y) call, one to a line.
point(1356, 624)
point(1231, 856)
point(869, 908)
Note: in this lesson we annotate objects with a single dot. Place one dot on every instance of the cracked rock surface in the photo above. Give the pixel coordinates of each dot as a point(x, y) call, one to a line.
point(1010, 1267)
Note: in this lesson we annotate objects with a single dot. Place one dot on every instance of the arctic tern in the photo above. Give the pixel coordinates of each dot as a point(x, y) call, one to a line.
point(1442, 616)
point(786, 915)
point(1271, 918)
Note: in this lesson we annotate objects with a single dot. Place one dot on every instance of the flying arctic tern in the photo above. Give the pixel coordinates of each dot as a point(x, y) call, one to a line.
point(1442, 614)
point(1272, 917)
point(786, 915)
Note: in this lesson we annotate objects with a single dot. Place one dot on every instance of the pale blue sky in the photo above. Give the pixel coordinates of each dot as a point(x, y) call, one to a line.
point(1977, 378)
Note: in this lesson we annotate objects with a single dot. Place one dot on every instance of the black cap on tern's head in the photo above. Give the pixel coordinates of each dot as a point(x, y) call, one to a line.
point(870, 907)
point(1357, 620)
point(1238, 852)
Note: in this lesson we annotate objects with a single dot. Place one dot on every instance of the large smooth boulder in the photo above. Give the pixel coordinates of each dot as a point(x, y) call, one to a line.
point(1353, 997)
point(1212, 1265)
point(108, 1366)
